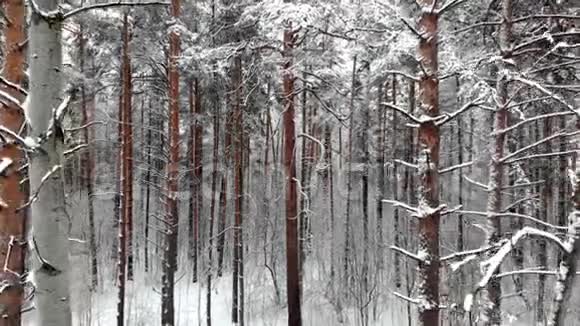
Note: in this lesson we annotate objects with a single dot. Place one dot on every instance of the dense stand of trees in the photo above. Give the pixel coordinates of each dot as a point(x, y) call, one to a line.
point(391, 162)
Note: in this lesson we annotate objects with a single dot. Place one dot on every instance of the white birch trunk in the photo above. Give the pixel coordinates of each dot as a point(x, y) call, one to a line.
point(49, 220)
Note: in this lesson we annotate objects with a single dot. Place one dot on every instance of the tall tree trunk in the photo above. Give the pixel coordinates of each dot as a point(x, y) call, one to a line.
point(238, 138)
point(395, 185)
point(198, 169)
point(170, 251)
point(380, 159)
point(330, 192)
point(292, 245)
point(125, 180)
point(460, 240)
point(347, 226)
point(223, 197)
point(148, 188)
point(428, 168)
point(546, 196)
point(491, 294)
point(12, 219)
point(89, 165)
point(193, 216)
point(216, 140)
point(127, 145)
point(117, 200)
point(303, 180)
point(49, 222)
point(566, 277)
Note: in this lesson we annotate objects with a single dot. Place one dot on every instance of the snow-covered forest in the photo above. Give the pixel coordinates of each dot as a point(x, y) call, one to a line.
point(290, 162)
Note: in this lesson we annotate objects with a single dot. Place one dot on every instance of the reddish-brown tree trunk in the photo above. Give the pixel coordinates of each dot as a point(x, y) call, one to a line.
point(88, 164)
point(128, 148)
point(428, 168)
point(237, 308)
point(170, 252)
point(216, 140)
point(12, 193)
point(292, 245)
point(126, 183)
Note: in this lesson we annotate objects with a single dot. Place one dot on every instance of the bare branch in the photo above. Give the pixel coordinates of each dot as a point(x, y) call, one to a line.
point(455, 167)
point(406, 298)
point(401, 73)
point(450, 116)
point(11, 100)
point(21, 141)
point(475, 183)
point(509, 214)
point(407, 164)
point(42, 183)
point(81, 10)
point(75, 149)
point(400, 204)
point(532, 119)
point(545, 155)
point(492, 264)
point(539, 142)
point(13, 86)
point(523, 185)
point(461, 254)
point(405, 113)
point(409, 254)
point(449, 5)
point(412, 28)
point(86, 125)
point(542, 89)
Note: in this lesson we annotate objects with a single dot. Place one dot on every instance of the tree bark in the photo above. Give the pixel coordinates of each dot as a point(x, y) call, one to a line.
point(395, 186)
point(172, 220)
point(428, 168)
point(491, 294)
point(49, 218)
point(12, 219)
point(127, 144)
point(292, 245)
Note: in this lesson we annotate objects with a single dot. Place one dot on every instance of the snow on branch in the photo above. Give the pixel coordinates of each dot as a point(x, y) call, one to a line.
point(396, 204)
point(539, 142)
point(466, 253)
point(402, 111)
point(59, 16)
point(455, 167)
point(509, 214)
point(406, 298)
point(80, 10)
point(407, 164)
point(21, 141)
point(491, 265)
point(13, 86)
point(544, 155)
point(542, 89)
point(11, 100)
point(420, 257)
point(75, 149)
point(476, 183)
point(5, 163)
point(446, 117)
point(43, 181)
